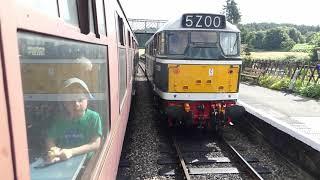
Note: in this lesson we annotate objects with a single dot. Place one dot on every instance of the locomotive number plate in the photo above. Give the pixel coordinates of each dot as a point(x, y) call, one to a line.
point(204, 21)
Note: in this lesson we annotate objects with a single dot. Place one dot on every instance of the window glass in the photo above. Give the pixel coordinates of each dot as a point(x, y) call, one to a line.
point(120, 30)
point(66, 97)
point(178, 42)
point(122, 73)
point(229, 43)
point(91, 22)
point(206, 37)
point(68, 11)
point(49, 7)
point(161, 43)
point(101, 17)
point(129, 39)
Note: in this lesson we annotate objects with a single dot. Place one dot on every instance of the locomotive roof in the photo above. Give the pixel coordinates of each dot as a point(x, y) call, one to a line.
point(175, 24)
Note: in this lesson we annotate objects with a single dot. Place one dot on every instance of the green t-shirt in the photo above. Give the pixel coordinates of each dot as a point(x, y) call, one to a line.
point(69, 133)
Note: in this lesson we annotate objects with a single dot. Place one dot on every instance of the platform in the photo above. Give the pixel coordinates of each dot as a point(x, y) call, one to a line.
point(295, 115)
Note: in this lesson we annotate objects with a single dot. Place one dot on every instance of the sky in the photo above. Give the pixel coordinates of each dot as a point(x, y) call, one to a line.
point(299, 12)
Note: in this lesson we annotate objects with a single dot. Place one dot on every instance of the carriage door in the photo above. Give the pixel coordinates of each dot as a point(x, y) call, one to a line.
point(6, 163)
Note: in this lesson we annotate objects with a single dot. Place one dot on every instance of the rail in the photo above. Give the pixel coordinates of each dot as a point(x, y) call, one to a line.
point(181, 160)
point(250, 169)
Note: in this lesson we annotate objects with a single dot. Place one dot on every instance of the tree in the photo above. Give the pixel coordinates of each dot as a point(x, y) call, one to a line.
point(259, 40)
point(232, 12)
point(315, 39)
point(295, 35)
point(278, 38)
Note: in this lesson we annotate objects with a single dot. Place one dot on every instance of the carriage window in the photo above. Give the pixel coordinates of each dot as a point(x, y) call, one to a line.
point(49, 7)
point(66, 99)
point(205, 37)
point(68, 11)
point(101, 17)
point(229, 43)
point(178, 42)
point(120, 30)
point(129, 39)
point(122, 74)
point(91, 21)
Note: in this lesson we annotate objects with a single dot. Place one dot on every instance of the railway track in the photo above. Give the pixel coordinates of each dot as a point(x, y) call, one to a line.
point(189, 165)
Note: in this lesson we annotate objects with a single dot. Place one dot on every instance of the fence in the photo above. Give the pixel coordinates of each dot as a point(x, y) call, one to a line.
point(307, 72)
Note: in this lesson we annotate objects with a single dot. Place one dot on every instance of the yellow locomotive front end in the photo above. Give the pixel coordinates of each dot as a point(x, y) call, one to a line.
point(223, 78)
point(193, 63)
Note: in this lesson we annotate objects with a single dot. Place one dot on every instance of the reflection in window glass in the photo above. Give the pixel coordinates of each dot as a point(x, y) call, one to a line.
point(101, 17)
point(49, 7)
point(229, 42)
point(66, 102)
point(122, 73)
point(178, 42)
point(206, 37)
point(68, 11)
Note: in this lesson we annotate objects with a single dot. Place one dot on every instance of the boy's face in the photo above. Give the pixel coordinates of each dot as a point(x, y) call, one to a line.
point(77, 107)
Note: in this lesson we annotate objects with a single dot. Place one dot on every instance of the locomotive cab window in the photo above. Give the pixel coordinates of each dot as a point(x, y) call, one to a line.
point(178, 42)
point(203, 45)
point(66, 99)
point(229, 43)
point(192, 45)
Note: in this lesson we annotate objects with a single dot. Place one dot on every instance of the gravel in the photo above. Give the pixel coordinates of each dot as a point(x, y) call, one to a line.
point(144, 136)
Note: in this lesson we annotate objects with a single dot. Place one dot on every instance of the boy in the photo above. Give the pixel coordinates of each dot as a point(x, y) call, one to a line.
point(79, 130)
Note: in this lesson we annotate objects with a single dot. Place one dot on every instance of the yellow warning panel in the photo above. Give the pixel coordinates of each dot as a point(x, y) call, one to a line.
point(203, 78)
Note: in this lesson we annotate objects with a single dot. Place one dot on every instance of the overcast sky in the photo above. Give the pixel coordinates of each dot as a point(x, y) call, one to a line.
point(279, 11)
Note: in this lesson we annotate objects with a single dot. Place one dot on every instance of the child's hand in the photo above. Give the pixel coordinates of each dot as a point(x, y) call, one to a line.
point(65, 154)
point(53, 154)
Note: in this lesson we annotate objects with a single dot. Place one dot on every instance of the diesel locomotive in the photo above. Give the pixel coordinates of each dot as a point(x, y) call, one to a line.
point(193, 64)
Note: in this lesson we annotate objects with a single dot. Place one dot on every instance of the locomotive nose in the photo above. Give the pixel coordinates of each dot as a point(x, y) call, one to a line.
point(235, 112)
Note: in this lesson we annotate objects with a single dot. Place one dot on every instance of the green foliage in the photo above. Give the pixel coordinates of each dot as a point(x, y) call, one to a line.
point(267, 81)
point(273, 82)
point(314, 55)
point(272, 36)
point(304, 29)
point(287, 44)
point(278, 38)
point(295, 35)
point(278, 83)
point(232, 12)
point(315, 39)
point(312, 91)
point(280, 56)
point(281, 84)
point(307, 48)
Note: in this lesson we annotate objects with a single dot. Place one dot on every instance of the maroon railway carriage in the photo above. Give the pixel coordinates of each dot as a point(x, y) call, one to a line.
point(43, 44)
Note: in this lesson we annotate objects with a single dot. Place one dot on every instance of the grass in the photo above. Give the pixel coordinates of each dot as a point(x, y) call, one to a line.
point(273, 55)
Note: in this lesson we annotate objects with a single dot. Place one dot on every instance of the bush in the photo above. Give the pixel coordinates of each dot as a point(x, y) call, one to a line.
point(312, 91)
point(267, 81)
point(281, 84)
